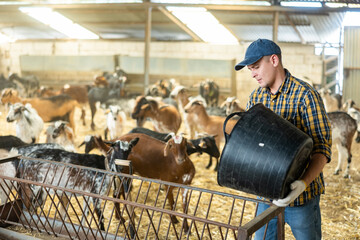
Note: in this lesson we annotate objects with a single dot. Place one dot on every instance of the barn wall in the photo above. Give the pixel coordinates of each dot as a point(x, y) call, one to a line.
point(299, 59)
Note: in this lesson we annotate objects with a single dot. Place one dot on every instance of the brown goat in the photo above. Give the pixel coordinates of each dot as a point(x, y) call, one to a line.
point(181, 95)
point(54, 108)
point(212, 125)
point(165, 118)
point(80, 94)
point(169, 161)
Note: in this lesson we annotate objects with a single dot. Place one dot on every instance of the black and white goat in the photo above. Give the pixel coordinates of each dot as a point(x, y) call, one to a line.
point(97, 182)
point(343, 130)
point(354, 112)
point(62, 134)
point(10, 146)
point(28, 123)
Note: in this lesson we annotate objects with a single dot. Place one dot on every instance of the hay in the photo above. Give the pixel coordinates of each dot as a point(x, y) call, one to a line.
point(340, 205)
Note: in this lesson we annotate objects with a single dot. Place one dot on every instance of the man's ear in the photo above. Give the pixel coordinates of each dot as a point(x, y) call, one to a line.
point(274, 59)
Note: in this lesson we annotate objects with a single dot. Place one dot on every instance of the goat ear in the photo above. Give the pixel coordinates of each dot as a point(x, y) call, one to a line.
point(223, 104)
point(166, 149)
point(108, 143)
point(81, 144)
point(134, 141)
point(190, 144)
point(145, 106)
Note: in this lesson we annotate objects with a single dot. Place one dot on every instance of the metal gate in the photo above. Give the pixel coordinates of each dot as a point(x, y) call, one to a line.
point(143, 213)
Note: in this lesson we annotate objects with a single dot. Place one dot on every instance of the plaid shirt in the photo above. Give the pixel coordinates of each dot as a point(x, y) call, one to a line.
point(300, 104)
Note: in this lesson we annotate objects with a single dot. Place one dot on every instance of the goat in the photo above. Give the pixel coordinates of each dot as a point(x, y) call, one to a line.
point(210, 91)
point(101, 94)
point(94, 182)
point(161, 88)
point(78, 93)
point(30, 83)
point(125, 104)
point(165, 118)
point(232, 104)
point(100, 81)
point(62, 134)
point(60, 107)
point(332, 102)
point(10, 146)
point(115, 121)
point(354, 112)
point(212, 125)
point(343, 131)
point(28, 123)
point(180, 93)
point(205, 143)
point(165, 161)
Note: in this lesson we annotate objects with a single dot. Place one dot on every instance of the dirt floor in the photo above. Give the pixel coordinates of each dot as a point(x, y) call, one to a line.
point(340, 205)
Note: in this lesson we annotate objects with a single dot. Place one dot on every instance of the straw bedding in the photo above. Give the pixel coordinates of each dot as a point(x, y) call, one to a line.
point(340, 205)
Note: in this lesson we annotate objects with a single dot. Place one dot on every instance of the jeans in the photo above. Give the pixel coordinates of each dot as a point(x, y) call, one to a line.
point(304, 221)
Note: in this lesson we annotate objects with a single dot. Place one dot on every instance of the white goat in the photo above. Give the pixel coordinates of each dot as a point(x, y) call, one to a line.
point(28, 123)
point(62, 134)
point(115, 121)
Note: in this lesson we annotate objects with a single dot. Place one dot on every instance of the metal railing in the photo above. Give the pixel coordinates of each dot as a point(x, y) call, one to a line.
point(142, 213)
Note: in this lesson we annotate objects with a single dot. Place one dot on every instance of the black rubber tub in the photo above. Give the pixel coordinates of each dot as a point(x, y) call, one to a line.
point(263, 154)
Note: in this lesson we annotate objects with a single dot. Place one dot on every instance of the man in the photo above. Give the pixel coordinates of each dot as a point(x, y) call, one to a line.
point(299, 103)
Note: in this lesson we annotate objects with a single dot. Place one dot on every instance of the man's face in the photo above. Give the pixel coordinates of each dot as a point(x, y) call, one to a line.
point(264, 71)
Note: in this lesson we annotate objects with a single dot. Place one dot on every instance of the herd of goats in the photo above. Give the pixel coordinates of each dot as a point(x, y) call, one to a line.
point(161, 153)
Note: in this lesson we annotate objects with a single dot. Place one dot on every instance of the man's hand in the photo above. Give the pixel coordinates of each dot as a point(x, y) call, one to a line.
point(297, 188)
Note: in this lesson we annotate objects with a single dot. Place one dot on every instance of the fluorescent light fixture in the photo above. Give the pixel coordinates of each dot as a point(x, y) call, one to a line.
point(203, 24)
point(14, 3)
point(215, 2)
point(90, 1)
point(6, 39)
point(301, 4)
point(351, 19)
point(336, 5)
point(58, 22)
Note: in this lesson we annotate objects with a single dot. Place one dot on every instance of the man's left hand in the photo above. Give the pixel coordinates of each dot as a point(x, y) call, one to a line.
point(297, 188)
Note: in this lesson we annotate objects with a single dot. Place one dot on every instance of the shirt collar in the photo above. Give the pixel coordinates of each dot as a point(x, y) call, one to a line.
point(285, 86)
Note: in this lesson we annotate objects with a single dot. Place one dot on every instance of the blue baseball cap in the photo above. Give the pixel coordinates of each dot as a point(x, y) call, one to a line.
point(257, 50)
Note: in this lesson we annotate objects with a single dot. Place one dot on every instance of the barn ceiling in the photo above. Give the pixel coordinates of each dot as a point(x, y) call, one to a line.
point(127, 21)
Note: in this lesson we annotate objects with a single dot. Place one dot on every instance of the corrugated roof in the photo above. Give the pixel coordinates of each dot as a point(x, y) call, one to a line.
point(128, 21)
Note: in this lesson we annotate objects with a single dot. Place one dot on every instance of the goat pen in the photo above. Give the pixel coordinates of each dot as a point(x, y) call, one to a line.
point(143, 213)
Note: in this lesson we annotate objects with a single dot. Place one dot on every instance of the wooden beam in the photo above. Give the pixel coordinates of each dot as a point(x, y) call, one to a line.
point(295, 29)
point(179, 23)
point(147, 49)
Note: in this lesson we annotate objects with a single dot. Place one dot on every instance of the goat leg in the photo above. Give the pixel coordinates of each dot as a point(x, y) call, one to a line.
point(170, 197)
point(82, 117)
point(210, 163)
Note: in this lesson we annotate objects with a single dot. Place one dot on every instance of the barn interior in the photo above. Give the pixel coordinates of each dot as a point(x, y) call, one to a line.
point(170, 40)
